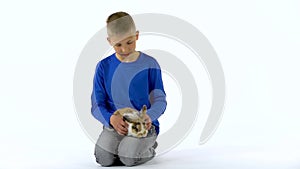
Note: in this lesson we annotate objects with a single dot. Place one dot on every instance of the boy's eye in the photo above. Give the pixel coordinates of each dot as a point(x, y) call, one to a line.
point(129, 43)
point(118, 45)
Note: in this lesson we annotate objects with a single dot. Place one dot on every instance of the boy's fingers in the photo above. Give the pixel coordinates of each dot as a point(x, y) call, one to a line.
point(123, 123)
point(147, 119)
point(121, 133)
point(122, 129)
point(149, 125)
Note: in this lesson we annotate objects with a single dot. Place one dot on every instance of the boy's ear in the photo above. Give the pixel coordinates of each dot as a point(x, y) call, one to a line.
point(137, 35)
point(109, 41)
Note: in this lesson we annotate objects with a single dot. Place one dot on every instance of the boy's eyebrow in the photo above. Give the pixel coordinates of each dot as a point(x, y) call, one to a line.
point(118, 43)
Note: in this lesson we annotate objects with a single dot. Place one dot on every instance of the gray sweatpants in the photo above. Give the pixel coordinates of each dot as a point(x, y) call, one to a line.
point(114, 149)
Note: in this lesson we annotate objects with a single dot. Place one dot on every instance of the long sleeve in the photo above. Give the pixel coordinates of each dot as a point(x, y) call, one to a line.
point(99, 97)
point(117, 85)
point(157, 94)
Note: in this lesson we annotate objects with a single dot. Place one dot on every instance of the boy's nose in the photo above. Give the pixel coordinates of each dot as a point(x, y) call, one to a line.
point(123, 49)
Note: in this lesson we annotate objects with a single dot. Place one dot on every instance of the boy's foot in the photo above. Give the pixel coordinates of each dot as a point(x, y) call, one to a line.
point(155, 145)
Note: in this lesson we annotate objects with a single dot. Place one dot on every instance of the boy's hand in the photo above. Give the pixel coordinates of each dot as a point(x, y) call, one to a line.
point(148, 122)
point(119, 124)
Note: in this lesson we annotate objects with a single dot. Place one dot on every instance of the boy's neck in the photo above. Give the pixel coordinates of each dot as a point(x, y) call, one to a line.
point(131, 58)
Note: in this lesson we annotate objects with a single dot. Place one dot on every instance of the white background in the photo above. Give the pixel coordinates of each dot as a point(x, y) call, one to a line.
point(257, 43)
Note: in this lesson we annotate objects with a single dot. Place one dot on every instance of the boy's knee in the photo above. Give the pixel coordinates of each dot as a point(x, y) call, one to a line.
point(129, 161)
point(132, 158)
point(129, 157)
point(104, 162)
point(104, 158)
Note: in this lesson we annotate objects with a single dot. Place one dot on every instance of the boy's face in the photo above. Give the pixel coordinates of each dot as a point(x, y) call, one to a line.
point(124, 46)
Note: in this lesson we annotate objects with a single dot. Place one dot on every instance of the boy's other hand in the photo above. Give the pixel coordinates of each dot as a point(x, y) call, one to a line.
point(148, 122)
point(119, 124)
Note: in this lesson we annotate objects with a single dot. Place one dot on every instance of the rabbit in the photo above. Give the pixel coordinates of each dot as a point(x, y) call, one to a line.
point(135, 120)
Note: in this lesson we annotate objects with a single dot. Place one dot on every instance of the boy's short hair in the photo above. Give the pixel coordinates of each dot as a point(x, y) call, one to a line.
point(120, 23)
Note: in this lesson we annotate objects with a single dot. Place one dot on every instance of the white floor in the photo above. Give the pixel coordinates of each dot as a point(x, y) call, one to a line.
point(225, 158)
point(197, 158)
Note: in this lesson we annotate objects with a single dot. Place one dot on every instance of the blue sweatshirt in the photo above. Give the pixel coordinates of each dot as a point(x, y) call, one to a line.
point(121, 84)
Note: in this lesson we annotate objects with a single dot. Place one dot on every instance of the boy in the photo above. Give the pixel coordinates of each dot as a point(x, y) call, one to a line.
point(127, 78)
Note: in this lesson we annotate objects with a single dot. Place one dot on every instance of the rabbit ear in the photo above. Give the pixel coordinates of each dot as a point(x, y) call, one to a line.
point(143, 110)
